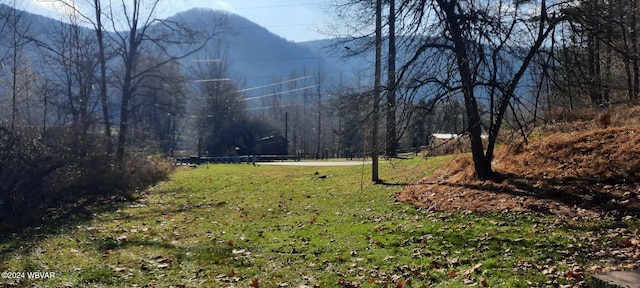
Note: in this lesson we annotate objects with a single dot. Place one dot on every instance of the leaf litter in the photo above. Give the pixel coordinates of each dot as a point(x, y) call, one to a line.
point(578, 177)
point(396, 247)
point(582, 174)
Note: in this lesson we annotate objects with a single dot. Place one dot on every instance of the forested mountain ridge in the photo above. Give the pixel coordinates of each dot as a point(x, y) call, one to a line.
point(255, 55)
point(59, 60)
point(272, 77)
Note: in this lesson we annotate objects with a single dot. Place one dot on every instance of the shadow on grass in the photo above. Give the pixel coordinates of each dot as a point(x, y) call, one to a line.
point(58, 224)
point(600, 195)
point(385, 183)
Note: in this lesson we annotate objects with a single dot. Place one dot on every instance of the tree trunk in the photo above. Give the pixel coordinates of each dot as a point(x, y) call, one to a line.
point(376, 94)
point(130, 62)
point(14, 88)
point(593, 50)
point(124, 125)
point(481, 164)
point(391, 84)
point(634, 50)
point(103, 78)
point(625, 44)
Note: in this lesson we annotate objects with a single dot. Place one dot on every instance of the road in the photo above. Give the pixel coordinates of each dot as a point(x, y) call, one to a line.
point(315, 163)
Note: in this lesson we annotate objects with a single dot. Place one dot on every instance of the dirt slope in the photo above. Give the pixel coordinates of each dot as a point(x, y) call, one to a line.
point(587, 174)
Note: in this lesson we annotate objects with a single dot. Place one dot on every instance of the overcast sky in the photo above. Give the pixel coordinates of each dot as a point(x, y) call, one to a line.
point(295, 20)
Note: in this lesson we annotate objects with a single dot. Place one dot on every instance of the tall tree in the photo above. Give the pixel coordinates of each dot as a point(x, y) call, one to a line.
point(392, 137)
point(319, 80)
point(599, 36)
point(102, 60)
point(219, 104)
point(69, 53)
point(488, 45)
point(96, 22)
point(18, 28)
point(137, 29)
point(376, 94)
point(456, 17)
point(466, 19)
point(159, 105)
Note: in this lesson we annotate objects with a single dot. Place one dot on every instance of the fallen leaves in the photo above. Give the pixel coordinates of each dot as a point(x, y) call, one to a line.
point(621, 253)
point(451, 249)
point(359, 244)
point(122, 238)
point(231, 273)
point(584, 173)
point(574, 275)
point(162, 262)
point(472, 270)
point(452, 273)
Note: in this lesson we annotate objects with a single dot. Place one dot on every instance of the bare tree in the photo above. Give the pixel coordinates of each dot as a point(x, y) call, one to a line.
point(18, 29)
point(603, 34)
point(159, 104)
point(137, 29)
point(319, 80)
point(480, 35)
point(95, 21)
point(477, 51)
point(102, 60)
point(363, 38)
point(69, 53)
point(218, 104)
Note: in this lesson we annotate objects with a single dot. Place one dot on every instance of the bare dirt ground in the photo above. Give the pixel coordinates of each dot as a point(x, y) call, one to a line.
point(587, 174)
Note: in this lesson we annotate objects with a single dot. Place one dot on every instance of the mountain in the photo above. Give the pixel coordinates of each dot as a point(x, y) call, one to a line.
point(334, 52)
point(259, 57)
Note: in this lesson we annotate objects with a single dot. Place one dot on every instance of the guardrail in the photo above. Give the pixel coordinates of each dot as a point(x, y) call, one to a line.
point(248, 159)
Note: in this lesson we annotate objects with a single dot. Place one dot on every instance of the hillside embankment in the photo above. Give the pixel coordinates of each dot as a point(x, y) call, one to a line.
point(590, 173)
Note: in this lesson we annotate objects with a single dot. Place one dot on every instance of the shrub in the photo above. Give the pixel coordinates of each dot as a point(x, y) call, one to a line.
point(60, 170)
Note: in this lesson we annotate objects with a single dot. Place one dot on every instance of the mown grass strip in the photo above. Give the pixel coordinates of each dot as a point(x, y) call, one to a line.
point(240, 225)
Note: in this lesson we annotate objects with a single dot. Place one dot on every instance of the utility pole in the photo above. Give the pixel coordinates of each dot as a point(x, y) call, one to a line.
point(376, 94)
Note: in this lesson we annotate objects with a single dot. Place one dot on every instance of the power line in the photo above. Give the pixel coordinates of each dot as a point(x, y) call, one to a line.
point(276, 59)
point(323, 72)
point(269, 107)
point(272, 84)
point(213, 80)
point(278, 93)
point(273, 26)
point(207, 60)
point(245, 109)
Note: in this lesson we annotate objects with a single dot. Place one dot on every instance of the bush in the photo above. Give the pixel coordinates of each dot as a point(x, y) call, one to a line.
point(60, 170)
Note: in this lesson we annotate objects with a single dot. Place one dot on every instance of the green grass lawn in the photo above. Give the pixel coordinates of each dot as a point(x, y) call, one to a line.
point(229, 225)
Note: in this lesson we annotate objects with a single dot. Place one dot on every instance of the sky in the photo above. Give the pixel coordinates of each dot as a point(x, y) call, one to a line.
point(295, 20)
